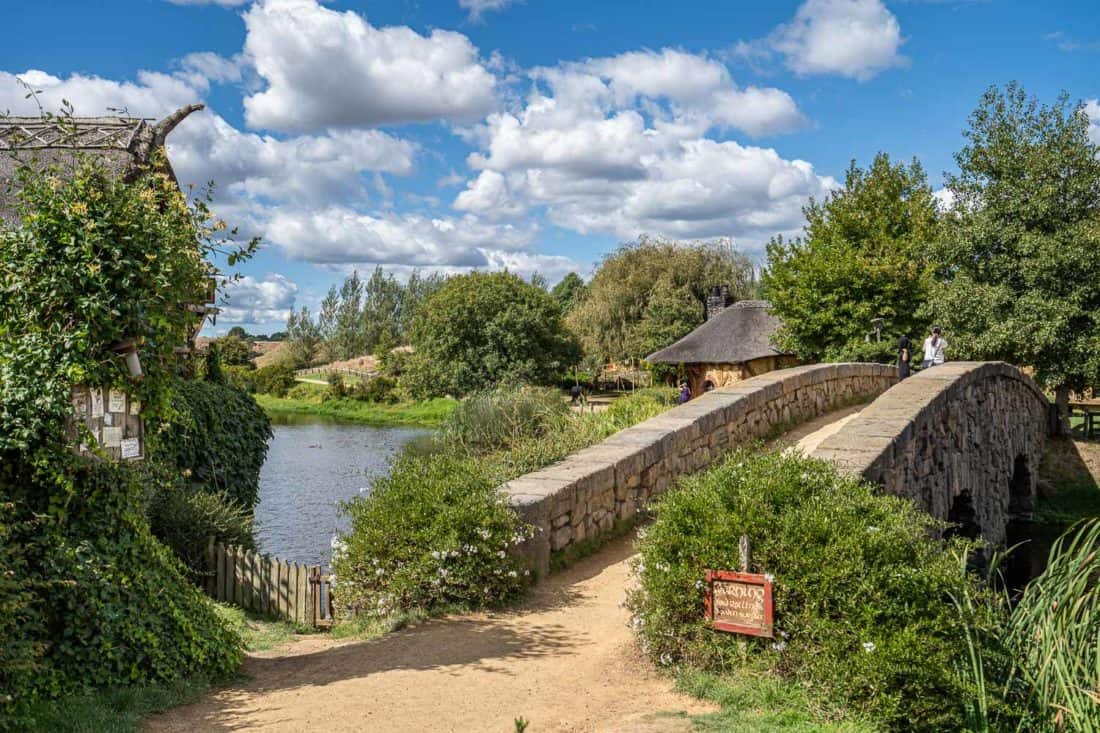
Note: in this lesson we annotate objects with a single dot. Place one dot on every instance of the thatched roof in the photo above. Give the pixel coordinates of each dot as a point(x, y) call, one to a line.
point(737, 334)
point(123, 144)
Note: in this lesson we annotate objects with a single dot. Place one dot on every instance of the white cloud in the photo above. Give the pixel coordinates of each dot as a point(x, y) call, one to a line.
point(620, 146)
point(340, 235)
point(153, 95)
point(248, 300)
point(852, 38)
point(1092, 109)
point(945, 199)
point(325, 68)
point(478, 8)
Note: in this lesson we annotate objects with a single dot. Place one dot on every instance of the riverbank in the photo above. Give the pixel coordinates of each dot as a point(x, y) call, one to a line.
point(426, 414)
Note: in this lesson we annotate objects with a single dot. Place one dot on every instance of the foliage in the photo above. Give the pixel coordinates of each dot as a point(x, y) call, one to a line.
point(434, 532)
point(861, 610)
point(233, 351)
point(184, 518)
point(274, 379)
point(94, 260)
point(641, 405)
point(499, 419)
point(119, 709)
point(862, 257)
point(1017, 262)
point(1055, 633)
point(303, 339)
point(377, 389)
point(611, 317)
point(568, 292)
point(217, 436)
point(20, 653)
point(486, 329)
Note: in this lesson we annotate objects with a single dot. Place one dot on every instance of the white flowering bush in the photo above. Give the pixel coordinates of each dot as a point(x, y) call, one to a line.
point(434, 533)
point(862, 591)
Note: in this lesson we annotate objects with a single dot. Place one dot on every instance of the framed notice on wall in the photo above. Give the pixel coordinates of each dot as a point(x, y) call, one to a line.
point(739, 603)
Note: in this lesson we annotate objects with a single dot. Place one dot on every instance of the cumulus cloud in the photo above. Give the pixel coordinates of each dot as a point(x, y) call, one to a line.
point(324, 68)
point(1092, 109)
point(340, 235)
point(478, 8)
point(154, 94)
point(852, 38)
point(248, 300)
point(620, 146)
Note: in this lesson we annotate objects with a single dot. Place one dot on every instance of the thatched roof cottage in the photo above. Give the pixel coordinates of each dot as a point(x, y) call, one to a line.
point(734, 343)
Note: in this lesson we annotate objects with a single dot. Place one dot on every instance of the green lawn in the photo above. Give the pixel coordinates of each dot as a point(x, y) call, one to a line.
point(427, 414)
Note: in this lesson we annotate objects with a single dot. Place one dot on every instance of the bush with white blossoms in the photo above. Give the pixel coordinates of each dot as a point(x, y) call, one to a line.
point(862, 591)
point(434, 533)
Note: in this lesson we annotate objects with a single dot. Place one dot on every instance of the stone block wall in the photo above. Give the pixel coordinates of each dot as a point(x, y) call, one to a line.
point(583, 497)
point(973, 430)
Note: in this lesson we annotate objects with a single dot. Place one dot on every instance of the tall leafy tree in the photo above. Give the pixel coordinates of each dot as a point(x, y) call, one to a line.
point(303, 338)
point(486, 329)
point(1019, 261)
point(609, 316)
point(568, 292)
point(861, 258)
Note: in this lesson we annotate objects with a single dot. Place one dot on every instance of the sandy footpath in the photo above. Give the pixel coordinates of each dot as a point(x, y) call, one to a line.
point(565, 661)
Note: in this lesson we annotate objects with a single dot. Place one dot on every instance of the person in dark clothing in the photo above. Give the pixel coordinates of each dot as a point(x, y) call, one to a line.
point(905, 351)
point(685, 392)
point(575, 393)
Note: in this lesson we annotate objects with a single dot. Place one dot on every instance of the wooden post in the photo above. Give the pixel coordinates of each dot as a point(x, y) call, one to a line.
point(744, 553)
point(211, 569)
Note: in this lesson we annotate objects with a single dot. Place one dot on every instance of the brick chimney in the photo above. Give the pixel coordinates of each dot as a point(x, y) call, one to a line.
point(718, 300)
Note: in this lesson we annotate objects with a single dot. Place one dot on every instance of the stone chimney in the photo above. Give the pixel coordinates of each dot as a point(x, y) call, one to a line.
point(718, 300)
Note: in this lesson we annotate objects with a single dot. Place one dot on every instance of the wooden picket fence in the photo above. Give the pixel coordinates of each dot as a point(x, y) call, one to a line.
point(269, 586)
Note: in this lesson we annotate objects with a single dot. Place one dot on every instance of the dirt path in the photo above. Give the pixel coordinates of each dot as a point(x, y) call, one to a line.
point(565, 661)
point(809, 435)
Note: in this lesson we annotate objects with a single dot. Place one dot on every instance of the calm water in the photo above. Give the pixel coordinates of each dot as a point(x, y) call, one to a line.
point(311, 467)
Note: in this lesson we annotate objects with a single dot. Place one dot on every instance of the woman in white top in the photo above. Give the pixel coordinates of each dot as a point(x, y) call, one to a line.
point(935, 348)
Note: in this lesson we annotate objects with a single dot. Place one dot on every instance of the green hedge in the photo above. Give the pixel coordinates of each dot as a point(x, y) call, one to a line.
point(863, 614)
point(217, 437)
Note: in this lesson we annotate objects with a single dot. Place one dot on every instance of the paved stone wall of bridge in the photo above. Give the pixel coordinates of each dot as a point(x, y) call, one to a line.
point(963, 440)
point(592, 493)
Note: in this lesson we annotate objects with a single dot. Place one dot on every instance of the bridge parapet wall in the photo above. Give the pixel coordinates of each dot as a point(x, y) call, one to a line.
point(593, 492)
point(963, 440)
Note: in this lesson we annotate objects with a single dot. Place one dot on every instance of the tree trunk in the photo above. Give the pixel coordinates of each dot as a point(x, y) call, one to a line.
point(1061, 400)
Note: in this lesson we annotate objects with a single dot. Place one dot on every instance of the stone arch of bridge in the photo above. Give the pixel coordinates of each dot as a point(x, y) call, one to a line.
point(962, 440)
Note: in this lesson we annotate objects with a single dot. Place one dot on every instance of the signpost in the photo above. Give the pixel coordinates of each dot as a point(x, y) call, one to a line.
point(740, 602)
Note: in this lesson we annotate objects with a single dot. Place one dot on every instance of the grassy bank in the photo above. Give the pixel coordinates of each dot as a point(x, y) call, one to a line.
point(427, 414)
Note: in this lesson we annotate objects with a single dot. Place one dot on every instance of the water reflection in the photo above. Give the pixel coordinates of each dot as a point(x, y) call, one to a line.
point(313, 465)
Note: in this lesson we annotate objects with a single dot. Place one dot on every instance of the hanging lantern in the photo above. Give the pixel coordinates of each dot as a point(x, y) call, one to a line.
point(127, 349)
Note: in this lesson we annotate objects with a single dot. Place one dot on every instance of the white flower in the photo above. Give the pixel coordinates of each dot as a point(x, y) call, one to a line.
point(513, 574)
point(872, 529)
point(783, 634)
point(666, 659)
point(868, 646)
point(769, 577)
point(500, 554)
point(698, 585)
point(437, 555)
point(526, 572)
point(379, 571)
point(779, 646)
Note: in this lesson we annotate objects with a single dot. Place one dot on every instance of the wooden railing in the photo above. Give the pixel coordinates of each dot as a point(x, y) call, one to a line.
point(365, 374)
point(269, 586)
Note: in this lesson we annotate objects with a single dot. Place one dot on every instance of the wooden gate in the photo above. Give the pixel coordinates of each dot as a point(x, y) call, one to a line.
point(269, 586)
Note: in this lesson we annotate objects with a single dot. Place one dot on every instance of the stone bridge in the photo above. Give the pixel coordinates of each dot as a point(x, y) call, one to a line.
point(963, 440)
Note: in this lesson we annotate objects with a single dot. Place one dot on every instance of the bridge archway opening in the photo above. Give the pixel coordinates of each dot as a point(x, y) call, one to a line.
point(963, 518)
point(1021, 502)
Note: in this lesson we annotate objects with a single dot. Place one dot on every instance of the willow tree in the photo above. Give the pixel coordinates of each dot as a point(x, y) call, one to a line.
point(616, 317)
point(861, 258)
point(1019, 261)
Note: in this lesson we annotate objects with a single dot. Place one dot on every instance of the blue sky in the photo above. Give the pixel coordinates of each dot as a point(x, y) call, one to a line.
point(455, 134)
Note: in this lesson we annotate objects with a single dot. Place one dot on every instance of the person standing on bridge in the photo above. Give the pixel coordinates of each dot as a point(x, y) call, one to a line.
point(905, 354)
point(685, 392)
point(935, 349)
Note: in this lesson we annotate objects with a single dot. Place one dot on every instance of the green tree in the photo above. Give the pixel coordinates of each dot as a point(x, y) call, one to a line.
point(611, 311)
point(485, 329)
point(568, 291)
point(670, 313)
point(303, 338)
point(233, 351)
point(862, 257)
point(239, 332)
point(1019, 261)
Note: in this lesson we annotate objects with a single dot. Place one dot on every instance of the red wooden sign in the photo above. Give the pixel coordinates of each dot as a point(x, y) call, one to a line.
point(740, 603)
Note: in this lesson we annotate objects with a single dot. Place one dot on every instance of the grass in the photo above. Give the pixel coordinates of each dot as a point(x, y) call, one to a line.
point(122, 709)
point(427, 414)
point(759, 704)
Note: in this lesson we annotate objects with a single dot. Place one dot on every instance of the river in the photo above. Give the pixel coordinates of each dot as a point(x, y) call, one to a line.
point(312, 465)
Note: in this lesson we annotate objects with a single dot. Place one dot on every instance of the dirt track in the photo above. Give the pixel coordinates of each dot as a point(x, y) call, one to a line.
point(565, 661)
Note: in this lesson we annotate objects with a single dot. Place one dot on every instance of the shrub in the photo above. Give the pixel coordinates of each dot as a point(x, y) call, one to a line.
point(641, 405)
point(185, 519)
point(433, 533)
point(217, 436)
point(861, 591)
point(274, 379)
point(377, 389)
point(337, 390)
point(241, 377)
point(499, 419)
